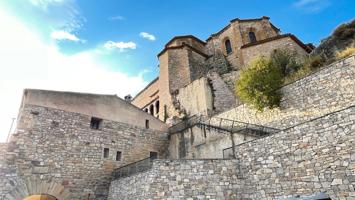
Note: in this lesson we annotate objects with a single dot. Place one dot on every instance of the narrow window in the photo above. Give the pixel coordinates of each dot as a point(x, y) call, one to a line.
point(153, 155)
point(228, 46)
point(151, 109)
point(95, 123)
point(106, 152)
point(146, 110)
point(118, 156)
point(157, 107)
point(252, 36)
point(146, 124)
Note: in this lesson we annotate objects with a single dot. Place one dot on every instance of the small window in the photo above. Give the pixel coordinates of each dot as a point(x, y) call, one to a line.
point(118, 156)
point(106, 152)
point(146, 124)
point(153, 155)
point(95, 123)
point(252, 37)
point(146, 110)
point(228, 46)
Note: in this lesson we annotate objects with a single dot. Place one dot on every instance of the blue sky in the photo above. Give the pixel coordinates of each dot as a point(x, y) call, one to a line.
point(110, 46)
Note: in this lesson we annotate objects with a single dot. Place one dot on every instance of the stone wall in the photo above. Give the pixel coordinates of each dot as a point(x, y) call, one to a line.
point(265, 49)
point(330, 89)
point(180, 179)
point(223, 97)
point(317, 156)
point(310, 158)
point(148, 95)
point(108, 107)
point(57, 153)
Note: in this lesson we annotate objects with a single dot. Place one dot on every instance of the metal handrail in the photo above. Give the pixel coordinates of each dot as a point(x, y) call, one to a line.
point(133, 168)
point(221, 123)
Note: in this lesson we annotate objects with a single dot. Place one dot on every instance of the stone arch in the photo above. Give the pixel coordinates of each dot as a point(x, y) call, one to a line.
point(36, 186)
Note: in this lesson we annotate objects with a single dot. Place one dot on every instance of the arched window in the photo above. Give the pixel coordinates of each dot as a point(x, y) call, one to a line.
point(151, 109)
point(228, 46)
point(146, 110)
point(252, 36)
point(157, 107)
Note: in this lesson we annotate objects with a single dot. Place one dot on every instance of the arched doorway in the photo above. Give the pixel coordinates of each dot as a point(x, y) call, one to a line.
point(41, 197)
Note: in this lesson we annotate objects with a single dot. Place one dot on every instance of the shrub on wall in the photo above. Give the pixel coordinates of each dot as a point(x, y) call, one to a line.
point(259, 83)
point(285, 60)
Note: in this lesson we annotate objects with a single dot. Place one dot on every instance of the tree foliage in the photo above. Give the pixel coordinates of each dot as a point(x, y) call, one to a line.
point(259, 83)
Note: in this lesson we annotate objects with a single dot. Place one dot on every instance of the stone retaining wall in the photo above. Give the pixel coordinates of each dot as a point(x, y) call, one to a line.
point(311, 158)
point(317, 156)
point(328, 90)
point(180, 179)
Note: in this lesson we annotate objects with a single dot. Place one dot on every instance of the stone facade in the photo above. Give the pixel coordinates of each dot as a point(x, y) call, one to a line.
point(185, 59)
point(316, 156)
point(328, 90)
point(310, 158)
point(59, 153)
point(180, 179)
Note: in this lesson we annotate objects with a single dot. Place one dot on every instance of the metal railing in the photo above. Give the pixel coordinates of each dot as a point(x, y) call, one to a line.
point(133, 168)
point(228, 125)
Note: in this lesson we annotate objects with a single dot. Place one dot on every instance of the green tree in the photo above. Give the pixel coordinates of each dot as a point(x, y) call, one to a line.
point(259, 84)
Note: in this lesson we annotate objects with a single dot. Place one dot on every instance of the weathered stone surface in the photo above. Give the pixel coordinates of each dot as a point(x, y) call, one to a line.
point(66, 157)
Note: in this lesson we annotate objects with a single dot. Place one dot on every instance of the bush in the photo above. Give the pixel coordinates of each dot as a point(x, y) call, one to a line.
point(314, 62)
point(285, 60)
point(259, 83)
point(345, 53)
point(309, 65)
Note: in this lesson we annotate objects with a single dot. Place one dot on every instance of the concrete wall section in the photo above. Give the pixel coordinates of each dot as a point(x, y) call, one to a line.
point(201, 142)
point(108, 107)
point(330, 89)
point(196, 98)
point(57, 148)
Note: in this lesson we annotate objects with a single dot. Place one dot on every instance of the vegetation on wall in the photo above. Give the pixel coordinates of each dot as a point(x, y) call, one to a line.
point(345, 53)
point(258, 84)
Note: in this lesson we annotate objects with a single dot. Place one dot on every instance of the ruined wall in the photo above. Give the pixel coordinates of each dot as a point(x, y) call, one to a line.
point(330, 89)
point(180, 179)
point(317, 156)
point(265, 49)
point(58, 148)
point(196, 98)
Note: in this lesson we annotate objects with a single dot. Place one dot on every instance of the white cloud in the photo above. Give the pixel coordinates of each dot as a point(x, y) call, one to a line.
point(120, 45)
point(29, 62)
point(64, 35)
point(312, 6)
point(116, 18)
point(147, 36)
point(45, 3)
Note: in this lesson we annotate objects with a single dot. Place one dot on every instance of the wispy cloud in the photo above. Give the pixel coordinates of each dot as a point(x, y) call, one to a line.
point(120, 45)
point(147, 36)
point(116, 18)
point(312, 6)
point(64, 35)
point(45, 3)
